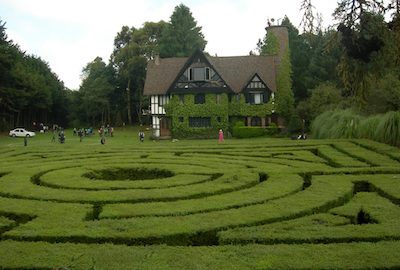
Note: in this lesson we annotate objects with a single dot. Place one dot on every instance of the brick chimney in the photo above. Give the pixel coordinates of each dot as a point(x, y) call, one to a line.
point(281, 32)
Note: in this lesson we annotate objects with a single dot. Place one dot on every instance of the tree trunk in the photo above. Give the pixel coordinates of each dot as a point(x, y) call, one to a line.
point(18, 118)
point(128, 93)
point(139, 109)
point(108, 113)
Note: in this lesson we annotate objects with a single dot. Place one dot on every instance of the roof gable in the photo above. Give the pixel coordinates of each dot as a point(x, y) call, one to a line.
point(186, 79)
point(239, 70)
point(256, 83)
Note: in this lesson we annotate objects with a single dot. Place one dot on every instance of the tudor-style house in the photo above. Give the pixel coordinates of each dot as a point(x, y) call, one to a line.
point(197, 95)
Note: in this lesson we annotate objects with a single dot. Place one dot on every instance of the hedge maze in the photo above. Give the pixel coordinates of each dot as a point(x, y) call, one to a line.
point(197, 205)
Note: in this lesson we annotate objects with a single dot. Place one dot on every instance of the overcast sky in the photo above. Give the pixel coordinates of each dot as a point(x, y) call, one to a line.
point(70, 33)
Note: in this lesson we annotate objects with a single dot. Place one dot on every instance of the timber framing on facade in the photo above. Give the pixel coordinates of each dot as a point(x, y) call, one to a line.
point(200, 94)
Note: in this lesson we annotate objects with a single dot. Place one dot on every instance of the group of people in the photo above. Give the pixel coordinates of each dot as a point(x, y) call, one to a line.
point(40, 127)
point(106, 131)
point(60, 133)
point(103, 132)
point(82, 132)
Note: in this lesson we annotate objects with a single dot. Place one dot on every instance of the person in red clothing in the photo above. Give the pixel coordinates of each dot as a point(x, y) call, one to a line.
point(220, 136)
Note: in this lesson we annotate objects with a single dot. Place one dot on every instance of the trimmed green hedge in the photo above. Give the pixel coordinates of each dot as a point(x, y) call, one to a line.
point(339, 225)
point(261, 190)
point(248, 132)
point(41, 255)
point(275, 187)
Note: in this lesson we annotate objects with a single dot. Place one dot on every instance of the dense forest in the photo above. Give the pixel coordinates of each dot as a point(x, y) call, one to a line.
point(29, 90)
point(352, 65)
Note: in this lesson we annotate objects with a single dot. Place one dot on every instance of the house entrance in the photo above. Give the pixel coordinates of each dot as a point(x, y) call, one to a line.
point(165, 127)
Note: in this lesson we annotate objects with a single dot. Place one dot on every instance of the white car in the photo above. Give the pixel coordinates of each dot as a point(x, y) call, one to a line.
point(21, 132)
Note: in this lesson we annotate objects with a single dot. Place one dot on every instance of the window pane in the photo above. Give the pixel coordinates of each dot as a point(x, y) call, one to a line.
point(199, 99)
point(190, 74)
point(162, 100)
point(198, 74)
point(255, 121)
point(199, 122)
point(257, 98)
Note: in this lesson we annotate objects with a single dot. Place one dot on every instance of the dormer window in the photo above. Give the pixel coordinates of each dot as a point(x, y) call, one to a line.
point(199, 74)
point(256, 91)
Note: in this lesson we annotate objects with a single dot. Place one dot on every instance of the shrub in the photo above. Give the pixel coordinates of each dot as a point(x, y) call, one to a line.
point(368, 127)
point(346, 124)
point(272, 129)
point(388, 130)
point(336, 124)
point(295, 124)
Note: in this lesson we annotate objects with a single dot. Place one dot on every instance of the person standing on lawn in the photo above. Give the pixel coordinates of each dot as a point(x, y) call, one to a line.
point(220, 136)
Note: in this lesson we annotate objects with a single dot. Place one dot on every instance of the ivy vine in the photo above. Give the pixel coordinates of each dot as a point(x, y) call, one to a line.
point(219, 112)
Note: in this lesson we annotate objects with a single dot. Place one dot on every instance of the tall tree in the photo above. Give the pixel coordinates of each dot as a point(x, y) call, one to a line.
point(349, 12)
point(124, 50)
point(132, 49)
point(363, 37)
point(3, 34)
point(182, 36)
point(308, 19)
point(96, 89)
point(300, 55)
point(371, 53)
point(29, 90)
point(395, 4)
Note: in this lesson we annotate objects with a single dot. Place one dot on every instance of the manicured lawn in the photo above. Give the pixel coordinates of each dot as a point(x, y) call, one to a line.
point(195, 204)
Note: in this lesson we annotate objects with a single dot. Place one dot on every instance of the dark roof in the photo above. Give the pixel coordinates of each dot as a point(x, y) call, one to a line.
point(160, 77)
point(236, 71)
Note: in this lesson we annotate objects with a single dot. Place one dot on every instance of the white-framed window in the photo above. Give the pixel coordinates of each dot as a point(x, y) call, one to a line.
point(162, 100)
point(258, 98)
point(199, 74)
point(255, 98)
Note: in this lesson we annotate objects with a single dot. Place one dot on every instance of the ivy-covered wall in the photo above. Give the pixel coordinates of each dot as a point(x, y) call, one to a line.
point(218, 112)
point(284, 97)
point(241, 108)
point(272, 46)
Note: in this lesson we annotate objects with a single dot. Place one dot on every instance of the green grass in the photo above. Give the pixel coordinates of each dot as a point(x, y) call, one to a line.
point(195, 204)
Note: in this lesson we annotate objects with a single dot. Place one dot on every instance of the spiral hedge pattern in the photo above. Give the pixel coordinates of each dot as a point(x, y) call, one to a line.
point(241, 205)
